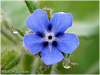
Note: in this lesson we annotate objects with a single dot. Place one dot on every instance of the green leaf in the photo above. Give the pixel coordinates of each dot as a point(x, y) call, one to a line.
point(31, 5)
point(84, 30)
point(10, 59)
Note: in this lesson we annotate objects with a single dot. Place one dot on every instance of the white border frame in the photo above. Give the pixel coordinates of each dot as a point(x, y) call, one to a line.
point(54, 0)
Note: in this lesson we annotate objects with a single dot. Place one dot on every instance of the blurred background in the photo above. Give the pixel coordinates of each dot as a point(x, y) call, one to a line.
point(15, 58)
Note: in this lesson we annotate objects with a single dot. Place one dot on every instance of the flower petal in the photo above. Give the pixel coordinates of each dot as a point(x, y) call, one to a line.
point(38, 21)
point(69, 43)
point(32, 42)
point(61, 21)
point(52, 56)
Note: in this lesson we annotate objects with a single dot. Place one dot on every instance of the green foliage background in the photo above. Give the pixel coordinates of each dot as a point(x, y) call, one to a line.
point(15, 57)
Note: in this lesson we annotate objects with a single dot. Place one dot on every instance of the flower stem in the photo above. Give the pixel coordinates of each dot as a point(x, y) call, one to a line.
point(48, 11)
point(19, 31)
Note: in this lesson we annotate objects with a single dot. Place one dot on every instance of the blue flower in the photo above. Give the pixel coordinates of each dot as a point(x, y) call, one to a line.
point(49, 37)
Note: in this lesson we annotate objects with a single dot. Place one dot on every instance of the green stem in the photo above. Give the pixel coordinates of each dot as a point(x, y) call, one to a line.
point(19, 31)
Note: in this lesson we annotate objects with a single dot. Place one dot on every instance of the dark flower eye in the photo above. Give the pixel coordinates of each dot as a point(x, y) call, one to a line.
point(40, 34)
point(50, 37)
point(45, 43)
point(54, 43)
point(49, 27)
point(58, 34)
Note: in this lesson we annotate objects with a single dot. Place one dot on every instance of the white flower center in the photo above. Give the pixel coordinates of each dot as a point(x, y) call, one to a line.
point(49, 37)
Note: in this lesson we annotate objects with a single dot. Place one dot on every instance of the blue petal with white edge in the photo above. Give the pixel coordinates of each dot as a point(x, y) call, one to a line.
point(61, 21)
point(69, 43)
point(38, 21)
point(52, 56)
point(33, 43)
